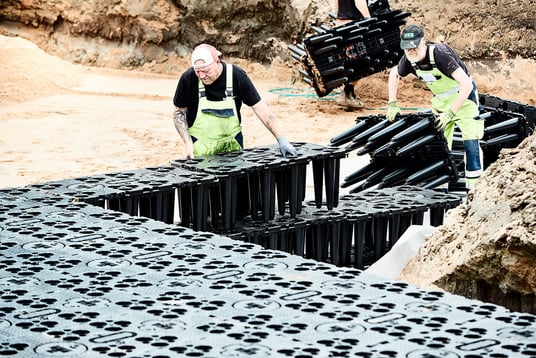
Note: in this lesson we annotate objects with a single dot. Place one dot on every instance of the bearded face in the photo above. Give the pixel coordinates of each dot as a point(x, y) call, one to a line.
point(416, 54)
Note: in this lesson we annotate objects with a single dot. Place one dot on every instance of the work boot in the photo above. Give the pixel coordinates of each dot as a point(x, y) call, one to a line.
point(348, 98)
point(350, 102)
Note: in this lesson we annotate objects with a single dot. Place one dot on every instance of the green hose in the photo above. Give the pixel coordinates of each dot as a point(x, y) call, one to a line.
point(287, 92)
point(282, 92)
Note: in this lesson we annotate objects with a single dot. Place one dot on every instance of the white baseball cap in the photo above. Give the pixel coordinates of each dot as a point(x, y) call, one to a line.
point(206, 53)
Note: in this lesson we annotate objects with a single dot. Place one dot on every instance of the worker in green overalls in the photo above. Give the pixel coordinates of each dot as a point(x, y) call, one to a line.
point(455, 97)
point(207, 102)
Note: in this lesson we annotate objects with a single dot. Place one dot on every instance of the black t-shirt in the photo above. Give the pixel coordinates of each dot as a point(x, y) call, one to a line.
point(187, 92)
point(346, 10)
point(446, 59)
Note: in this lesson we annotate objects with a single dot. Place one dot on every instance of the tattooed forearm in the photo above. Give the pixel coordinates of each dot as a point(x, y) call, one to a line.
point(181, 125)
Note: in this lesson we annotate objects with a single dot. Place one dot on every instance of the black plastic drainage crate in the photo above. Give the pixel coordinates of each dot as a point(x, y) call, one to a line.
point(258, 182)
point(334, 56)
point(149, 192)
point(378, 217)
point(528, 111)
point(410, 151)
point(358, 232)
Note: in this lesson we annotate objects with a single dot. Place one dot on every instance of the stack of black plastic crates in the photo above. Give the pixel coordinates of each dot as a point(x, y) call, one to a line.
point(411, 151)
point(359, 231)
point(260, 199)
point(508, 123)
point(258, 182)
point(151, 192)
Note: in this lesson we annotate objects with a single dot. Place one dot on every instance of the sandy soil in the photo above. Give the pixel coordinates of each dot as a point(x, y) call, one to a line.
point(60, 120)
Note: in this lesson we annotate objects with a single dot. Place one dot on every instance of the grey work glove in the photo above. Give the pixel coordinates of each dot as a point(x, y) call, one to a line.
point(286, 147)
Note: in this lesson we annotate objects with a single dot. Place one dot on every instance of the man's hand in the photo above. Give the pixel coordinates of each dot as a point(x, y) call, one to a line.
point(392, 111)
point(444, 119)
point(286, 147)
point(189, 154)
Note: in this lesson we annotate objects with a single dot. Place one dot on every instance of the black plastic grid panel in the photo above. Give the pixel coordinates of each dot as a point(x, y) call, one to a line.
point(135, 182)
point(121, 286)
point(149, 192)
point(488, 100)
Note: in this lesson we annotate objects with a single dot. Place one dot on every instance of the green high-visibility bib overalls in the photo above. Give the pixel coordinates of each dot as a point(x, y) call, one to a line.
point(445, 90)
point(216, 123)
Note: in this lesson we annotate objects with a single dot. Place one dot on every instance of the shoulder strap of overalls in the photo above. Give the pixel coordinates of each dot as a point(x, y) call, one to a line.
point(201, 88)
point(431, 49)
point(228, 83)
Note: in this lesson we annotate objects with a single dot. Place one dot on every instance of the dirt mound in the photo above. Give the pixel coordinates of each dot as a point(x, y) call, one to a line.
point(486, 249)
point(28, 72)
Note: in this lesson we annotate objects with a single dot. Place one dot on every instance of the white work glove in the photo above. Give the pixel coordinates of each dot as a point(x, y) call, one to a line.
point(286, 147)
point(392, 111)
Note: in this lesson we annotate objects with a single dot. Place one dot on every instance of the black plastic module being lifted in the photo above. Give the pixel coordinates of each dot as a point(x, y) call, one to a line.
point(334, 56)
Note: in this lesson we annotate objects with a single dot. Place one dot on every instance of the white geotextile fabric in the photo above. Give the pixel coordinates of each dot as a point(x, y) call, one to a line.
point(392, 263)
